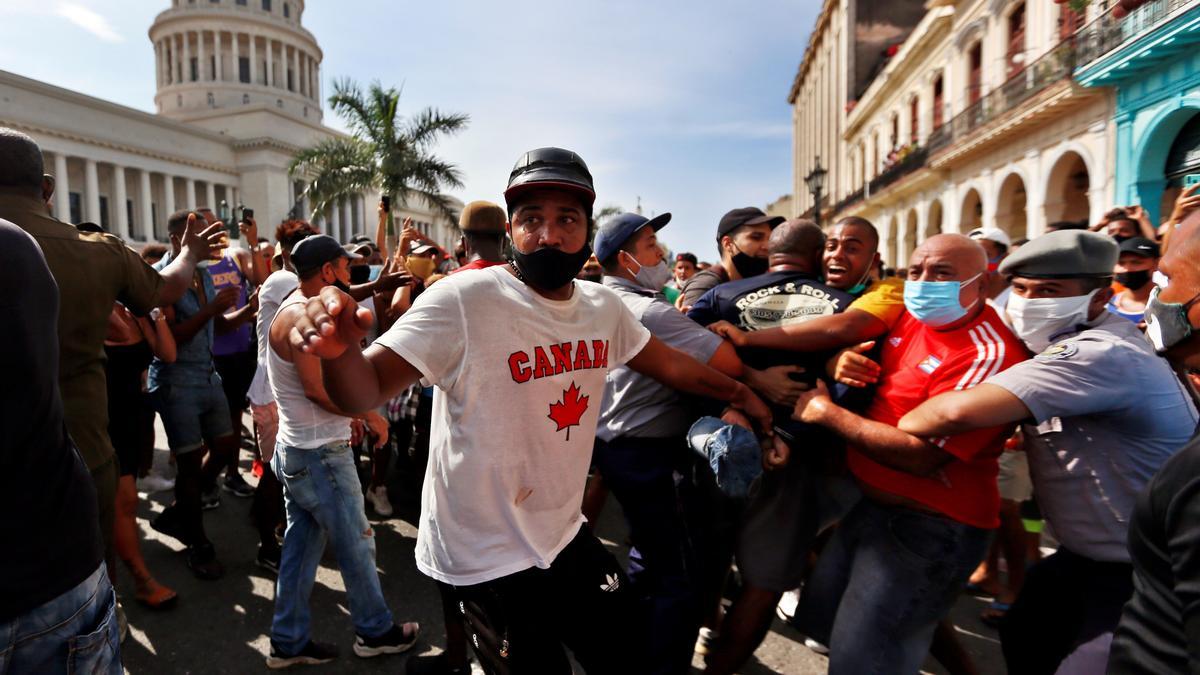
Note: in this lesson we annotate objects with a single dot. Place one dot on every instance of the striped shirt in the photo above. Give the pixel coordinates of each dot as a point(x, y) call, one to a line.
point(918, 363)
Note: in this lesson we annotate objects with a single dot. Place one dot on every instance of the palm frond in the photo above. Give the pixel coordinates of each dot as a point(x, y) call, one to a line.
point(384, 103)
point(334, 169)
point(425, 127)
point(348, 102)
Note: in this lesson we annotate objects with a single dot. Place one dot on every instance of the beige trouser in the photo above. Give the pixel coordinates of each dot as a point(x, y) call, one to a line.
point(266, 418)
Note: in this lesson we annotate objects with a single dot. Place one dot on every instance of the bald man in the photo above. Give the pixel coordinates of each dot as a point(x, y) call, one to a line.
point(903, 553)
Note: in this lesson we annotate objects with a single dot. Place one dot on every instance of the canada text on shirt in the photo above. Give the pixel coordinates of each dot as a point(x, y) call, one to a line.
point(557, 359)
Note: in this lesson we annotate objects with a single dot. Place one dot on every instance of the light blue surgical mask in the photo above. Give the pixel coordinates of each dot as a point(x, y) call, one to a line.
point(936, 303)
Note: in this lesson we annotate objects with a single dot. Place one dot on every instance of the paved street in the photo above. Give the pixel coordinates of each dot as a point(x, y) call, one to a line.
point(222, 626)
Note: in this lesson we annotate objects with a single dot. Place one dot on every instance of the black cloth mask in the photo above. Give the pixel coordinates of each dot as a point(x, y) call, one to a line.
point(1133, 280)
point(748, 265)
point(549, 268)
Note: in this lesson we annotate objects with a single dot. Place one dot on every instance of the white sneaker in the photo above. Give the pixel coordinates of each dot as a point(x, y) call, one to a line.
point(705, 641)
point(816, 646)
point(378, 497)
point(152, 483)
point(786, 609)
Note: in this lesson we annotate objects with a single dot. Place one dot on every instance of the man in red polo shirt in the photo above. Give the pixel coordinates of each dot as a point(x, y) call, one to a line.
point(903, 554)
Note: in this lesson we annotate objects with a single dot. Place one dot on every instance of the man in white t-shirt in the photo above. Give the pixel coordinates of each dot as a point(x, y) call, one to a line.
point(518, 355)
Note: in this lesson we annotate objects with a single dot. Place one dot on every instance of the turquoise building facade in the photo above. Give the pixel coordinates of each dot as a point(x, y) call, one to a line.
point(1152, 60)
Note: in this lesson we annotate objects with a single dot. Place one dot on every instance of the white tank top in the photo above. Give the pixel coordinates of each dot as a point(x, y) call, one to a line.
point(302, 423)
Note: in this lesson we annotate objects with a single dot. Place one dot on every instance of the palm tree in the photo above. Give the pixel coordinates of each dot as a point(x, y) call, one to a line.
point(384, 152)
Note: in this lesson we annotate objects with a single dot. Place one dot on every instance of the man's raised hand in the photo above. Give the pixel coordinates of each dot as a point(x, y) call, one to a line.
point(330, 323)
point(202, 242)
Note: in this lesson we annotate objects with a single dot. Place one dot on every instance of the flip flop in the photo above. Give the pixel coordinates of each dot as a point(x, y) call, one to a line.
point(164, 598)
point(995, 613)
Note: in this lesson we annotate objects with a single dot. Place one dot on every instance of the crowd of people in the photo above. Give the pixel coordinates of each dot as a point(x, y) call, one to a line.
point(792, 431)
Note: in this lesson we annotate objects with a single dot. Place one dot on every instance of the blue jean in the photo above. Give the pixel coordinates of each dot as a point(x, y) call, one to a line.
point(73, 633)
point(888, 575)
point(323, 498)
point(663, 568)
point(192, 414)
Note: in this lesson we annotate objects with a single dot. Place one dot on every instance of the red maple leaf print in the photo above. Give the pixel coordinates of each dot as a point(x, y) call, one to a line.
point(567, 412)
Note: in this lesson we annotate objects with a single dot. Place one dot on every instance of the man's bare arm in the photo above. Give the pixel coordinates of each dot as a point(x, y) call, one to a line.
point(955, 412)
point(198, 244)
point(827, 332)
point(680, 371)
point(885, 444)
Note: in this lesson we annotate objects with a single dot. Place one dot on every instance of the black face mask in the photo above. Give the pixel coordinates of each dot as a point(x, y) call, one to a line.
point(549, 268)
point(337, 283)
point(1133, 280)
point(360, 274)
point(749, 266)
point(591, 277)
point(1121, 238)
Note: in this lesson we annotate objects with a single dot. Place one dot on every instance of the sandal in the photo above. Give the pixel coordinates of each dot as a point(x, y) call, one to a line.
point(995, 613)
point(156, 596)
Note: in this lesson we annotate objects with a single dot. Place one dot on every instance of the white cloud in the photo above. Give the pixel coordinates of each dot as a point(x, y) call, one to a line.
point(89, 20)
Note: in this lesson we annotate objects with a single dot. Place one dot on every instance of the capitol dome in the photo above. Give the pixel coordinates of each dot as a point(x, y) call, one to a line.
point(217, 56)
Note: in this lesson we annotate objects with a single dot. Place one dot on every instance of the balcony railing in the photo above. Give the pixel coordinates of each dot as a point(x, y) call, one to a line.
point(1107, 33)
point(1055, 66)
point(912, 161)
point(852, 198)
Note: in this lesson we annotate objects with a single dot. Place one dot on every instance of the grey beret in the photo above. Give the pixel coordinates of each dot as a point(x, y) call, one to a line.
point(1065, 254)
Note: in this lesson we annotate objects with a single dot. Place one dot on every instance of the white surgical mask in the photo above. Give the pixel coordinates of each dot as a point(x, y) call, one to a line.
point(1038, 321)
point(653, 277)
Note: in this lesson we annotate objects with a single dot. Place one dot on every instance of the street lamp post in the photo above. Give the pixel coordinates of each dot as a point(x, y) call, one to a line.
point(816, 183)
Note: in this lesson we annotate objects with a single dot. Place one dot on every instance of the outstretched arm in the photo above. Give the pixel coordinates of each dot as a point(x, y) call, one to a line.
point(330, 327)
point(955, 412)
point(199, 243)
point(680, 371)
point(827, 332)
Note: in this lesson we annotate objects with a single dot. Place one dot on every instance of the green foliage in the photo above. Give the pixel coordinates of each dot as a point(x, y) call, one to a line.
point(385, 152)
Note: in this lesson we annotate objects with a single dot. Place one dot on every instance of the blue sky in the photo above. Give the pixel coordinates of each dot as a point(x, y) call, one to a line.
point(680, 103)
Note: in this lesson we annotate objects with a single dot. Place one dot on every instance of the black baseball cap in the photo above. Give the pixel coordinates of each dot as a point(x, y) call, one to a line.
point(1140, 246)
point(748, 215)
point(311, 252)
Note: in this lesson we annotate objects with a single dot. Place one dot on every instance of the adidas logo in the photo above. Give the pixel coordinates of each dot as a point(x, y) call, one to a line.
point(611, 583)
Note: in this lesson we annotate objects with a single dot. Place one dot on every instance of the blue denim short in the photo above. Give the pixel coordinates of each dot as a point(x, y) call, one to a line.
point(193, 414)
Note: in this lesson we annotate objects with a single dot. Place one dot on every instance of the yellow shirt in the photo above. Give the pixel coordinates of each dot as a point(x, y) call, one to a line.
point(883, 300)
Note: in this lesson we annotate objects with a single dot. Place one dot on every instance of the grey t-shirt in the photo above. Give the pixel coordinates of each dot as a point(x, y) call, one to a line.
point(638, 406)
point(701, 282)
point(1108, 412)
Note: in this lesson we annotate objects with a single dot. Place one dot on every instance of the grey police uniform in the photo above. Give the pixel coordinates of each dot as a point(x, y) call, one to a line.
point(639, 406)
point(1107, 413)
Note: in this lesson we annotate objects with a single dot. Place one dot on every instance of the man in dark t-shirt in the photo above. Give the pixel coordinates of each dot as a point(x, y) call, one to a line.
point(46, 492)
point(785, 508)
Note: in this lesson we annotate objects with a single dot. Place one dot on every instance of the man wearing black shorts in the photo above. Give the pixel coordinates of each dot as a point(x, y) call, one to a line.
point(518, 356)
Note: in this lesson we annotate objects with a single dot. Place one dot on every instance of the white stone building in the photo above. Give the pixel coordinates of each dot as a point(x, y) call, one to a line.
point(972, 119)
point(238, 95)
